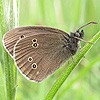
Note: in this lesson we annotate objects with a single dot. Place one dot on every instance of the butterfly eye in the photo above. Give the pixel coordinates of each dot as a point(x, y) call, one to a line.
point(35, 45)
point(30, 59)
point(34, 66)
point(77, 35)
point(22, 36)
point(34, 40)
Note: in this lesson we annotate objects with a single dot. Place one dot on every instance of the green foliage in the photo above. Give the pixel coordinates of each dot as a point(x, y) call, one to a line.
point(84, 82)
point(8, 68)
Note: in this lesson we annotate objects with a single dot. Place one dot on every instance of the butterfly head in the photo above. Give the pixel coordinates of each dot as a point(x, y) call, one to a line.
point(80, 33)
point(77, 35)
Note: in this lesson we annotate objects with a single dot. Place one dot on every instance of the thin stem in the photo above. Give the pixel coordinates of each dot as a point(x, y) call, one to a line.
point(82, 73)
point(9, 20)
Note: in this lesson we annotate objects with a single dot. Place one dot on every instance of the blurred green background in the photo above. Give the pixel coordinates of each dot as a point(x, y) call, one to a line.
point(67, 15)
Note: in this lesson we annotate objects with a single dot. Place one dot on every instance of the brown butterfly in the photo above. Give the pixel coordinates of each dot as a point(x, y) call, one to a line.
point(39, 51)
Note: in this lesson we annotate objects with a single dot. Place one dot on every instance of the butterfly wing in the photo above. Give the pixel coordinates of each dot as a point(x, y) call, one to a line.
point(11, 37)
point(36, 62)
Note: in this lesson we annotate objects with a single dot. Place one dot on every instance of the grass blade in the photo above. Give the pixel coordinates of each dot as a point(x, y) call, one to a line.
point(70, 68)
point(8, 16)
point(82, 73)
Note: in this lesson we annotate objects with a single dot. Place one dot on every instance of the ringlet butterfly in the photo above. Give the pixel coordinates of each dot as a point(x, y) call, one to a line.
point(38, 51)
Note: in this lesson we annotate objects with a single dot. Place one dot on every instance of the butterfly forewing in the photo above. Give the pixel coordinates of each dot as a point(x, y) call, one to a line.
point(37, 60)
point(11, 37)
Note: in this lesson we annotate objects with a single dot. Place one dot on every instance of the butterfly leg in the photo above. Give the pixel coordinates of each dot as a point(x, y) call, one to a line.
point(71, 55)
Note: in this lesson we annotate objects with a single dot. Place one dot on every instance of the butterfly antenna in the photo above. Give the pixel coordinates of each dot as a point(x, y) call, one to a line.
point(83, 40)
point(86, 25)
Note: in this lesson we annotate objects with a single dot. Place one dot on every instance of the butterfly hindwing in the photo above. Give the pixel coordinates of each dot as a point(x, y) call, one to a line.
point(39, 55)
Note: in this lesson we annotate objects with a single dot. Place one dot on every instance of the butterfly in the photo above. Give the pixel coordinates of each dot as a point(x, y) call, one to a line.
point(39, 51)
